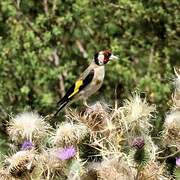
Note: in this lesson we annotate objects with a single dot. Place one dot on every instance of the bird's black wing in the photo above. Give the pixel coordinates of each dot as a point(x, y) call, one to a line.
point(78, 86)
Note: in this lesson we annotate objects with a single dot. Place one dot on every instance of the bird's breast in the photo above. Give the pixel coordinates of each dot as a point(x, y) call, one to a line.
point(96, 82)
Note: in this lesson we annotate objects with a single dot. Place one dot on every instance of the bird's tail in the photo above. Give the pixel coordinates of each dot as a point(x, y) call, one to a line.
point(61, 105)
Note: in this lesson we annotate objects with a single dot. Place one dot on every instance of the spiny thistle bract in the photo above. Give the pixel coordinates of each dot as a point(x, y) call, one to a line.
point(176, 97)
point(75, 169)
point(27, 126)
point(69, 133)
point(4, 175)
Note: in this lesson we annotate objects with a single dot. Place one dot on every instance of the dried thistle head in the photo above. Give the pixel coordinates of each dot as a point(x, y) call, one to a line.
point(133, 119)
point(111, 168)
point(69, 133)
point(152, 171)
point(51, 165)
point(96, 117)
point(137, 107)
point(27, 126)
point(21, 163)
point(171, 131)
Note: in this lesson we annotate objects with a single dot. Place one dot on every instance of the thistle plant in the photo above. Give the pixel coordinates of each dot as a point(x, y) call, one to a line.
point(121, 137)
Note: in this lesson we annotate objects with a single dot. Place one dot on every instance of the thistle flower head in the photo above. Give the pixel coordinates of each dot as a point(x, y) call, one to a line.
point(138, 108)
point(51, 164)
point(138, 143)
point(96, 117)
point(153, 170)
point(28, 126)
point(111, 168)
point(171, 132)
point(134, 117)
point(27, 145)
point(173, 120)
point(21, 163)
point(178, 161)
point(66, 153)
point(69, 133)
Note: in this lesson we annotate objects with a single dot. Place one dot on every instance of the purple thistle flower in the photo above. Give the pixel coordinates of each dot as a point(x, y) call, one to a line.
point(27, 145)
point(66, 153)
point(178, 161)
point(138, 143)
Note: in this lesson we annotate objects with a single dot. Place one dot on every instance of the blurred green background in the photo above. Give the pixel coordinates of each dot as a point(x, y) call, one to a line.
point(45, 45)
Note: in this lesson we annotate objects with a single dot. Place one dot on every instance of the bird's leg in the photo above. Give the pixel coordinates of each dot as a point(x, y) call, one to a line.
point(85, 103)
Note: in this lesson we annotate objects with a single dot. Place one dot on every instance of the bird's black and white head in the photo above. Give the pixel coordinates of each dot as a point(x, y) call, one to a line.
point(103, 57)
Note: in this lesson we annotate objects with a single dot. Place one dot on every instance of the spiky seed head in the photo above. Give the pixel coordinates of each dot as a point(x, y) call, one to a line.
point(173, 120)
point(111, 168)
point(51, 164)
point(134, 117)
point(96, 117)
point(69, 133)
point(137, 108)
point(21, 163)
point(27, 126)
point(171, 131)
point(153, 171)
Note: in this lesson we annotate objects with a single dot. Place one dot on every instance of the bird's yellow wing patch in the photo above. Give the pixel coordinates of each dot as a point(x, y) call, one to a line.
point(78, 84)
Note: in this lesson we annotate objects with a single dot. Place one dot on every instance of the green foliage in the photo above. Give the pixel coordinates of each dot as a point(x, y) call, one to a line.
point(39, 42)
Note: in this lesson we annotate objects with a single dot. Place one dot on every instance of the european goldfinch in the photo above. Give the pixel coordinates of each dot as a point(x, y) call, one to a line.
point(89, 81)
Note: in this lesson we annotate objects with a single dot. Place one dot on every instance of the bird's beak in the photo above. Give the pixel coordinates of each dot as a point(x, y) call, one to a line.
point(113, 57)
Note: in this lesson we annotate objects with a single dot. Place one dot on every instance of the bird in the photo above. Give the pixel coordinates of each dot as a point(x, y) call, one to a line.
point(89, 81)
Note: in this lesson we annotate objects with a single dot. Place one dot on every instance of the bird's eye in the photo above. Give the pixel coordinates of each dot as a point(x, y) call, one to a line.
point(109, 54)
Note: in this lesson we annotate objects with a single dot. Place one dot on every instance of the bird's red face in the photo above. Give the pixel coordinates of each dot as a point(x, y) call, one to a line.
point(103, 57)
